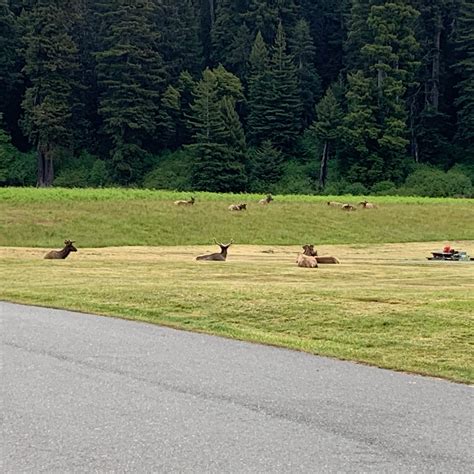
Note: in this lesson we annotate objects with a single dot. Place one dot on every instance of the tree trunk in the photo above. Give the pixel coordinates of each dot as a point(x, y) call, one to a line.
point(414, 139)
point(211, 12)
point(435, 67)
point(323, 170)
point(45, 168)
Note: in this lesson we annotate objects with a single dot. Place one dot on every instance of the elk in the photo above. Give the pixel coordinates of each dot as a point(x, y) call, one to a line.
point(335, 204)
point(266, 200)
point(237, 207)
point(327, 259)
point(348, 207)
point(367, 205)
point(61, 254)
point(310, 252)
point(306, 262)
point(183, 202)
point(218, 256)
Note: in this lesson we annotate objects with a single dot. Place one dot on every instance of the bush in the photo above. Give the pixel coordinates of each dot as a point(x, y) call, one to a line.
point(82, 171)
point(173, 172)
point(335, 188)
point(72, 178)
point(356, 189)
point(384, 188)
point(432, 182)
point(295, 180)
point(99, 175)
point(16, 168)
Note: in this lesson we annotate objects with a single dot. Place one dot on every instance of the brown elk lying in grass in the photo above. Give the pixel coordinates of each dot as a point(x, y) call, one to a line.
point(183, 202)
point(218, 256)
point(311, 252)
point(266, 200)
point(61, 254)
point(237, 207)
point(306, 262)
point(335, 204)
point(348, 207)
point(367, 205)
point(327, 259)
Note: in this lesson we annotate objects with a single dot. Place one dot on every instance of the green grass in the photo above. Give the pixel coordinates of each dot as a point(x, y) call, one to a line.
point(384, 305)
point(96, 218)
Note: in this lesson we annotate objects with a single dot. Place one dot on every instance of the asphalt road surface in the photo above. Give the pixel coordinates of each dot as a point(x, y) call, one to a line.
point(82, 393)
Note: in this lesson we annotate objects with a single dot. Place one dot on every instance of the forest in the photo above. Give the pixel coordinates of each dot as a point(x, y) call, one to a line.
point(281, 96)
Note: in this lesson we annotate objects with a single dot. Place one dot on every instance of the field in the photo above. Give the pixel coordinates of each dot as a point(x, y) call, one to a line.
point(384, 305)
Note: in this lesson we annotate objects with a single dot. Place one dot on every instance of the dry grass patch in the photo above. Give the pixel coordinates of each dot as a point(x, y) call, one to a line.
point(384, 304)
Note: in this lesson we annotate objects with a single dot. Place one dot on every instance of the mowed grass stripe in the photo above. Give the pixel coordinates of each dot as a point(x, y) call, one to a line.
point(116, 217)
point(385, 304)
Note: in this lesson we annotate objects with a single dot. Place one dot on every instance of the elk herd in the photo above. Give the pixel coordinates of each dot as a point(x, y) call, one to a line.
point(309, 258)
point(349, 207)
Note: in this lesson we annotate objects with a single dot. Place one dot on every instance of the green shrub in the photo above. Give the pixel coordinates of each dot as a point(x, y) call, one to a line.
point(173, 172)
point(72, 178)
point(295, 180)
point(356, 189)
point(98, 175)
point(432, 182)
point(335, 188)
point(16, 168)
point(384, 188)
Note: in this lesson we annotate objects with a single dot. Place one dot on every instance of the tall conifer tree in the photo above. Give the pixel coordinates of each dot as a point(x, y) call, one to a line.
point(131, 80)
point(465, 101)
point(51, 64)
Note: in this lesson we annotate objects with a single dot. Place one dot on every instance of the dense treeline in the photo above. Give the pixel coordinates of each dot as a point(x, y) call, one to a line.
point(239, 95)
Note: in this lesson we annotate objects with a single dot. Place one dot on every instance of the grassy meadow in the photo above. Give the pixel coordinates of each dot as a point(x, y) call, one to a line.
point(385, 304)
point(116, 217)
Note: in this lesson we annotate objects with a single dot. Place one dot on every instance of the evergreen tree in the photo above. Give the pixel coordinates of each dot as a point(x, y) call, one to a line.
point(359, 133)
point(465, 101)
point(84, 114)
point(283, 97)
point(206, 119)
point(51, 64)
point(304, 53)
point(9, 60)
point(274, 97)
point(180, 44)
point(327, 20)
point(131, 80)
point(358, 34)
point(388, 64)
point(257, 91)
point(326, 128)
point(267, 164)
point(218, 136)
point(262, 17)
point(265, 15)
point(392, 58)
point(231, 39)
point(429, 111)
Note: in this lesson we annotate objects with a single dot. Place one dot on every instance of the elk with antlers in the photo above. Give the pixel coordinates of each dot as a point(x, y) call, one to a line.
point(61, 254)
point(309, 251)
point(183, 202)
point(218, 256)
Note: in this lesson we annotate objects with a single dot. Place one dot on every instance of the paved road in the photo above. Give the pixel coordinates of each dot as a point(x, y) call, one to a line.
point(83, 393)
